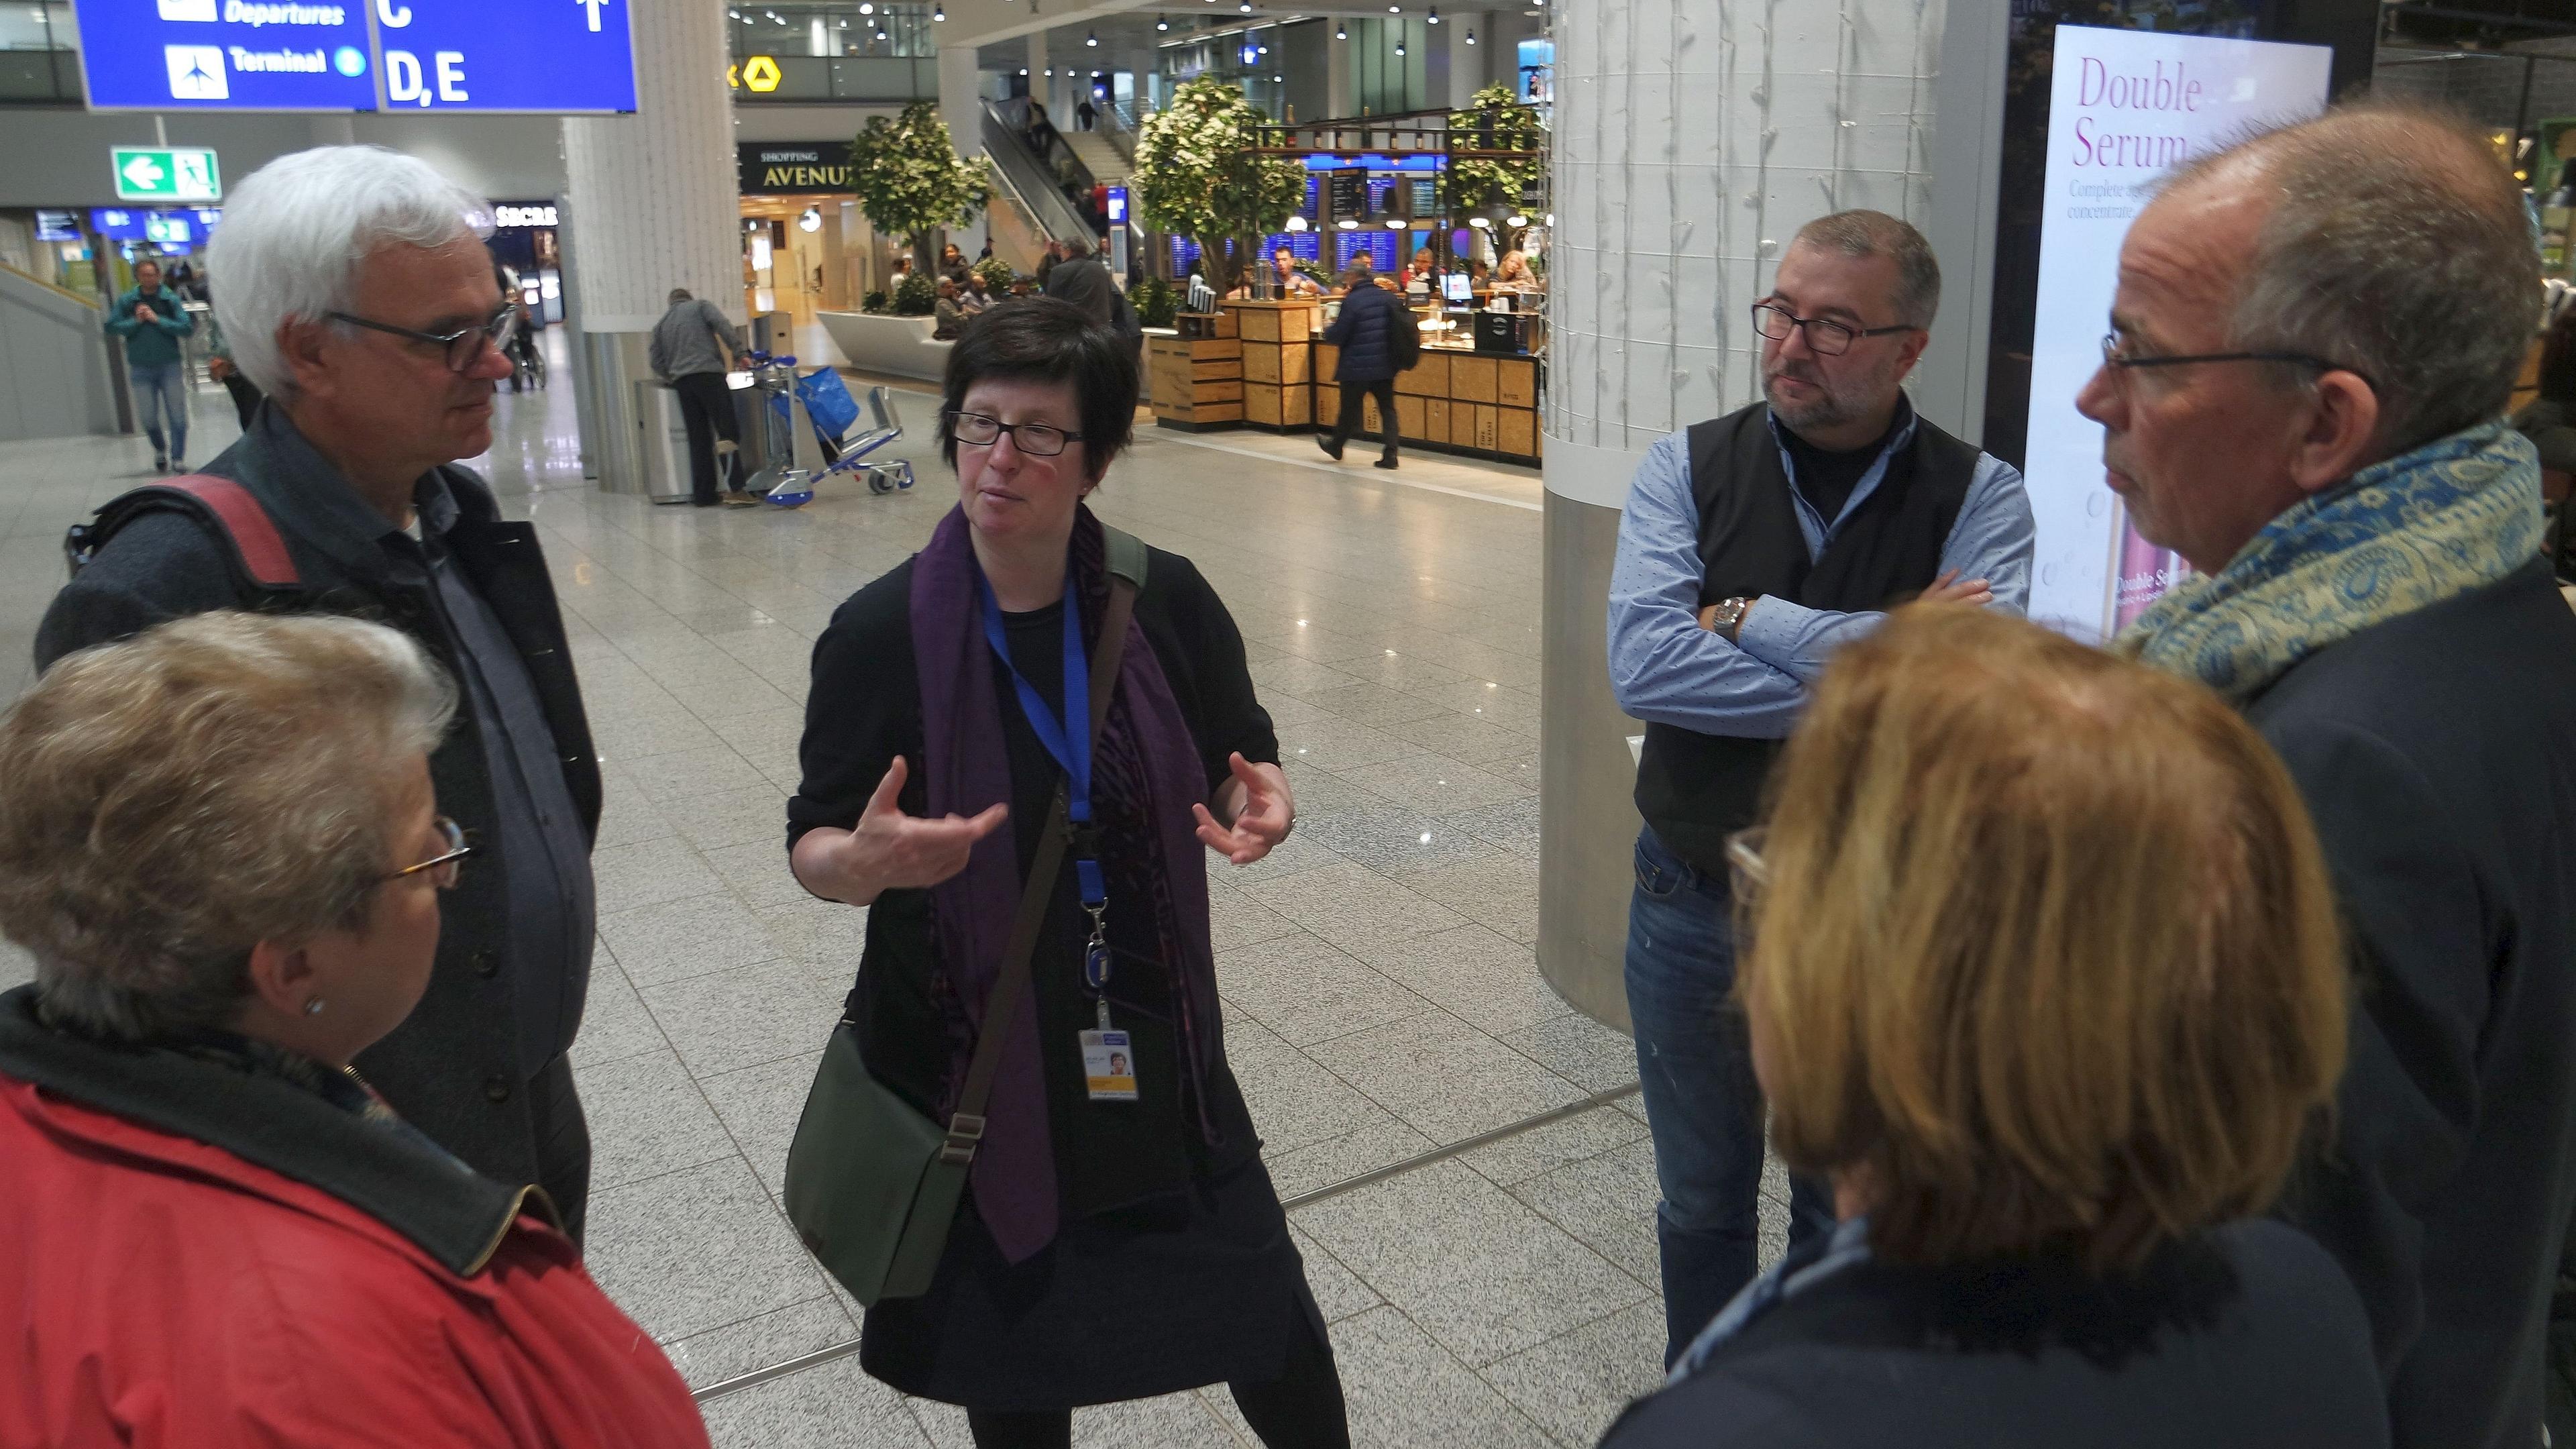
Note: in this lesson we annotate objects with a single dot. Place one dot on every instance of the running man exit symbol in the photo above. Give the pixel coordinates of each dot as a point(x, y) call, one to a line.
point(593, 7)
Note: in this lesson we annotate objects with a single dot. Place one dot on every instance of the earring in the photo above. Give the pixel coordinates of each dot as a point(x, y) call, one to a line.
point(313, 1007)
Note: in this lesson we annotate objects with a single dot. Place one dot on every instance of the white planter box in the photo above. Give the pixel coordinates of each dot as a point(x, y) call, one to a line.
point(898, 346)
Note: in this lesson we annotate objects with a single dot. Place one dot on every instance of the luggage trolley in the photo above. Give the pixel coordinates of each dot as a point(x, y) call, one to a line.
point(884, 426)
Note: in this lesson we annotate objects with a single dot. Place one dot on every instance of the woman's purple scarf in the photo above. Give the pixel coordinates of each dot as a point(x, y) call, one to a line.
point(1144, 757)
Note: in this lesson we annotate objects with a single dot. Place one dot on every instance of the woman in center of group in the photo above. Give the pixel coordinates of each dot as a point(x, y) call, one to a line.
point(1111, 1245)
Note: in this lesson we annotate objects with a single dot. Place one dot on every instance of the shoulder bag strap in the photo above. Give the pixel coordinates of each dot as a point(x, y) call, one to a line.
point(966, 1125)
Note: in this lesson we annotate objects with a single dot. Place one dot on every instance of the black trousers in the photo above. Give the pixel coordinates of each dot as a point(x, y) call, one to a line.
point(1300, 1409)
point(706, 410)
point(1383, 389)
point(563, 1142)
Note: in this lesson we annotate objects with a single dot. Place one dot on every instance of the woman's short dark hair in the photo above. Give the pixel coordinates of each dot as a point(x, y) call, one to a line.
point(1048, 339)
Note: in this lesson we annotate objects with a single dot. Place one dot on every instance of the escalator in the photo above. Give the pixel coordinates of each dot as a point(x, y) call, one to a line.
point(1038, 182)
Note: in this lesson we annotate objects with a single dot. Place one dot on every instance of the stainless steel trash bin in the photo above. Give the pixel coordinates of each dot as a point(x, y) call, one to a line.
point(662, 441)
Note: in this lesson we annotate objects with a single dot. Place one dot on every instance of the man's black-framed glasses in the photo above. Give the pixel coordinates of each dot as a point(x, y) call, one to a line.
point(1037, 440)
point(443, 867)
point(1825, 336)
point(464, 346)
point(2112, 356)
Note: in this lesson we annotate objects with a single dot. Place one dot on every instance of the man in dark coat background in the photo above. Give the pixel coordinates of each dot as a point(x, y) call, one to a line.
point(2313, 341)
point(1365, 332)
point(352, 463)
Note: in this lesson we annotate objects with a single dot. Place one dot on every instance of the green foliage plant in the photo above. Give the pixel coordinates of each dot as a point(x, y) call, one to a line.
point(915, 295)
point(873, 302)
point(1156, 301)
point(1198, 176)
point(1494, 120)
point(997, 274)
point(910, 180)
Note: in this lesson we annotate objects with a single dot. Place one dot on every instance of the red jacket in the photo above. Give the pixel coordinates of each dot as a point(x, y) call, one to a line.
point(156, 1290)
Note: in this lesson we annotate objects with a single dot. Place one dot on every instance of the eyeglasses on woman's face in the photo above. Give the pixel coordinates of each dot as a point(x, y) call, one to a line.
point(443, 868)
point(1035, 440)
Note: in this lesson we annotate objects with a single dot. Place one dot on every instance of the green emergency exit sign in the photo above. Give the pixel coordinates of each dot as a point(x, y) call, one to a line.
point(166, 173)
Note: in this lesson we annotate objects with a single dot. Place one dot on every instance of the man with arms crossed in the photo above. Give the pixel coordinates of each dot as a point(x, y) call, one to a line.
point(1752, 545)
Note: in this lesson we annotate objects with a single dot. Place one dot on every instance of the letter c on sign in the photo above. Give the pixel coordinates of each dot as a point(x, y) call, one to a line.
point(389, 13)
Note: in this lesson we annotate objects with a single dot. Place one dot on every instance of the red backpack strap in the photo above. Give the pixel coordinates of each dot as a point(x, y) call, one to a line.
point(254, 533)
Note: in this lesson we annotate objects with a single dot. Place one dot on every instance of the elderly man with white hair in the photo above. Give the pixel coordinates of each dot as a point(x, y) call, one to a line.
point(359, 296)
point(2302, 392)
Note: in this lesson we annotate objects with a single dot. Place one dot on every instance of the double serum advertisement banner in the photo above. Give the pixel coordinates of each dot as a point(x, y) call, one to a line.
point(2125, 108)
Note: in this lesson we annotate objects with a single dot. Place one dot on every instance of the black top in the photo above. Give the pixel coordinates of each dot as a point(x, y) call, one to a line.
point(454, 1067)
point(1828, 478)
point(2437, 753)
point(864, 708)
point(2247, 1336)
point(1364, 329)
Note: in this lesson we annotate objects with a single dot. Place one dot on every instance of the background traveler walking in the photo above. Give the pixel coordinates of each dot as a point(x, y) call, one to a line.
point(693, 347)
point(1111, 1245)
point(356, 296)
point(1751, 548)
point(2041, 1087)
point(2302, 393)
point(151, 321)
point(1365, 331)
point(213, 1234)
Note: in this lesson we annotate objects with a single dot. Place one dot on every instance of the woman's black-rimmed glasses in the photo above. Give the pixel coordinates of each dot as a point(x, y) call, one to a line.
point(1037, 440)
point(464, 346)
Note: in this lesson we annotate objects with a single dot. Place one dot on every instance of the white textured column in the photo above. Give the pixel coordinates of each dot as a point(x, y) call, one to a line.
point(961, 105)
point(653, 195)
point(650, 203)
point(1692, 139)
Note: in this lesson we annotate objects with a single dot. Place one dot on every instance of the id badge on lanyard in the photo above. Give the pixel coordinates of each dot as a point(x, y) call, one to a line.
point(1108, 1056)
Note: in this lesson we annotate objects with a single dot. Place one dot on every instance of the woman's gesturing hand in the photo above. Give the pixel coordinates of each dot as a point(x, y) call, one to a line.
point(1257, 803)
point(889, 850)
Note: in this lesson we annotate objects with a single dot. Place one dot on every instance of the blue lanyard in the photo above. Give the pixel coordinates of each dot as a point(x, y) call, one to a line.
point(1068, 739)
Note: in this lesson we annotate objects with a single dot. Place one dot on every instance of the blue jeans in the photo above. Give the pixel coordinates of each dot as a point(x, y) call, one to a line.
point(1702, 1103)
point(161, 389)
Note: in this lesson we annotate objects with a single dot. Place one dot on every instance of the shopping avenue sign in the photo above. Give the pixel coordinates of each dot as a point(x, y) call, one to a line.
point(166, 173)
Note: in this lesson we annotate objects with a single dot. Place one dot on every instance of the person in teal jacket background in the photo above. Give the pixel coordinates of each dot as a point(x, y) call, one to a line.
point(151, 321)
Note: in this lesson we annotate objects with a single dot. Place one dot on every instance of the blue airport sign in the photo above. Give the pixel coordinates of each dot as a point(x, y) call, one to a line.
point(542, 56)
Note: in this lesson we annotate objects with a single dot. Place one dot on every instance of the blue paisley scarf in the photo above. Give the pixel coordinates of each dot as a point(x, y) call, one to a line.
point(2457, 514)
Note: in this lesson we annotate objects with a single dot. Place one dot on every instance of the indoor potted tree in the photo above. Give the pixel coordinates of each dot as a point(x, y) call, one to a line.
point(1198, 176)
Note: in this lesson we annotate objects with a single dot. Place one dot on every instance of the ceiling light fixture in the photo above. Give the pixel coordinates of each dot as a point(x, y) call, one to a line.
point(1162, 23)
point(1296, 223)
point(1478, 222)
point(1345, 224)
point(1339, 33)
point(1516, 219)
point(1471, 37)
point(1092, 40)
point(1024, 70)
point(1395, 223)
point(1434, 17)
point(1399, 47)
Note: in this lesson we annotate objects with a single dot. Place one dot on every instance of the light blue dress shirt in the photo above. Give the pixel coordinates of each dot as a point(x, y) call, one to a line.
point(1666, 669)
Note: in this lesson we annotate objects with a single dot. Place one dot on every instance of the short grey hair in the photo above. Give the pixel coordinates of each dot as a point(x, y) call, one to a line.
point(296, 231)
point(2397, 247)
point(169, 801)
point(1877, 234)
point(679, 295)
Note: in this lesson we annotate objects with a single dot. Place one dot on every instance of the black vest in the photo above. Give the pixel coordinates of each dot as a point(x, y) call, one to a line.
point(1696, 789)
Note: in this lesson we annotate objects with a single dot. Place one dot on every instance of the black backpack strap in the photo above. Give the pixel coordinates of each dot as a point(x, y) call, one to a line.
point(221, 506)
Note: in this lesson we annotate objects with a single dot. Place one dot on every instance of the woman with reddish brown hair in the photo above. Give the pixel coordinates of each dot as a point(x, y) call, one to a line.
point(2045, 980)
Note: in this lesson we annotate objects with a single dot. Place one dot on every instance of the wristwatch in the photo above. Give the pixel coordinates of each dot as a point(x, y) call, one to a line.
point(1729, 617)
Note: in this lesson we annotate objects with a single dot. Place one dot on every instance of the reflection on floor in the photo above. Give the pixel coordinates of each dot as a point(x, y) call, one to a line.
point(1381, 995)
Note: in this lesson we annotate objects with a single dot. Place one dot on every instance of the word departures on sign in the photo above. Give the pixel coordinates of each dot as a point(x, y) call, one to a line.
point(165, 173)
point(544, 56)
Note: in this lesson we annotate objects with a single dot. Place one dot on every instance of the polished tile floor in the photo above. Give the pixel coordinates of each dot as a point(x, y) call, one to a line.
point(1382, 998)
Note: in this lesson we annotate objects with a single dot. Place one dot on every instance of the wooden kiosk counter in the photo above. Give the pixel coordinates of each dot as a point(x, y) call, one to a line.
point(1257, 364)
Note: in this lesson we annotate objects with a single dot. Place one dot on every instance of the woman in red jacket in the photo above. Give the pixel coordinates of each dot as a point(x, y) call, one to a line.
point(219, 842)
